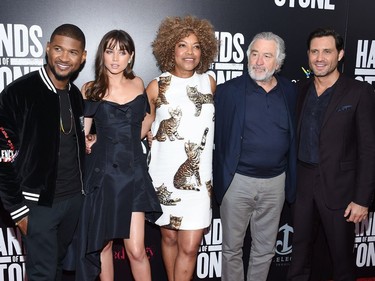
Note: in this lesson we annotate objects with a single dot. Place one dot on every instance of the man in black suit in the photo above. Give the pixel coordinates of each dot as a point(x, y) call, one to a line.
point(336, 158)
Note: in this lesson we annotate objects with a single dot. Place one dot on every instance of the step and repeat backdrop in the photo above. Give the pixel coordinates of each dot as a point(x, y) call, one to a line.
point(25, 27)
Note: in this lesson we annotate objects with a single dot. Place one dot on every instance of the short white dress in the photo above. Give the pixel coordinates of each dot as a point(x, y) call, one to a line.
point(181, 151)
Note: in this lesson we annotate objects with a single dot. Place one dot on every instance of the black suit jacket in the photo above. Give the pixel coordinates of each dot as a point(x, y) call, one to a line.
point(346, 142)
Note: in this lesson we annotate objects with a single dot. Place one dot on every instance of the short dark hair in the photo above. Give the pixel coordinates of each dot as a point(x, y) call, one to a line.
point(70, 30)
point(323, 32)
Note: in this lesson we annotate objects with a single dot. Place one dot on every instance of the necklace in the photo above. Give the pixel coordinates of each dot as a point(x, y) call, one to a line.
point(71, 124)
point(65, 103)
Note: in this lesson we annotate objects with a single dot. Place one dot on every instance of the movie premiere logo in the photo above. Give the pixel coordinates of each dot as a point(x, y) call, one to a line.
point(119, 252)
point(12, 259)
point(312, 4)
point(364, 242)
point(229, 61)
point(20, 51)
point(365, 61)
point(283, 255)
point(209, 256)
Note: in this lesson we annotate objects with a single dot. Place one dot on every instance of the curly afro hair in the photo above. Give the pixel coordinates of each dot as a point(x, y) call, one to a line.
point(172, 30)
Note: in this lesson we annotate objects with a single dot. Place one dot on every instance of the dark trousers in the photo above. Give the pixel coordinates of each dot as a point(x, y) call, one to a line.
point(49, 232)
point(310, 213)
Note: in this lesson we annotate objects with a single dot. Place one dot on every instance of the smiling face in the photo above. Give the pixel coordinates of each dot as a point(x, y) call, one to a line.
point(187, 55)
point(262, 60)
point(64, 57)
point(116, 59)
point(323, 56)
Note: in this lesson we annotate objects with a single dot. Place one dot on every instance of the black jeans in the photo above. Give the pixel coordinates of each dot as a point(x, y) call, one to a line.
point(49, 233)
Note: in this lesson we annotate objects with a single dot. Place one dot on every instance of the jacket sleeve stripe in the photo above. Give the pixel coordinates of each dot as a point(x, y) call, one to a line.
point(20, 212)
point(31, 196)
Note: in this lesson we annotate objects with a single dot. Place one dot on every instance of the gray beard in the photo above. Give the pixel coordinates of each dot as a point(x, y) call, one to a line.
point(266, 78)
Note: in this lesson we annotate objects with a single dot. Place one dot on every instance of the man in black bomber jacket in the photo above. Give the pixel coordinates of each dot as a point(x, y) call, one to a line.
point(42, 148)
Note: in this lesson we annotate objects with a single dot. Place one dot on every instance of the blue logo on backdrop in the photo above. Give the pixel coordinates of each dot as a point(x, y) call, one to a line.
point(284, 246)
